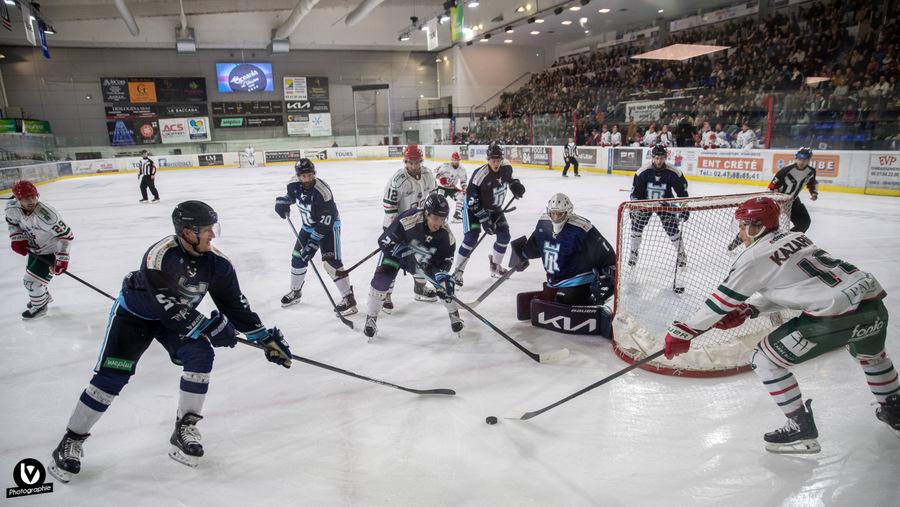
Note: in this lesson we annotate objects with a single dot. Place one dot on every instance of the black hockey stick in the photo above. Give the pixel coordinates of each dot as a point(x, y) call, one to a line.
point(84, 282)
point(341, 273)
point(676, 288)
point(623, 371)
point(506, 209)
point(345, 320)
point(449, 392)
point(493, 287)
point(543, 357)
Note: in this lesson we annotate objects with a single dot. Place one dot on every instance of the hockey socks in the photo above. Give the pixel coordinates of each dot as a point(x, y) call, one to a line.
point(880, 375)
point(779, 382)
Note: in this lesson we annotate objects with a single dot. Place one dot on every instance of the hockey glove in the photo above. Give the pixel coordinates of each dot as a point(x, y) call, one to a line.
point(484, 217)
point(283, 206)
point(678, 339)
point(603, 286)
point(445, 285)
point(309, 250)
point(813, 196)
point(278, 351)
point(61, 264)
point(517, 259)
point(217, 330)
point(517, 188)
point(737, 316)
point(20, 247)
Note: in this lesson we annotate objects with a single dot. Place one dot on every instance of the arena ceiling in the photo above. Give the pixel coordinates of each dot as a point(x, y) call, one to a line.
point(250, 24)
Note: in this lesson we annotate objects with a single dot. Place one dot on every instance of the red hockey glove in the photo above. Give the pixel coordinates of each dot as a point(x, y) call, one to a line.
point(737, 317)
point(20, 247)
point(61, 265)
point(678, 339)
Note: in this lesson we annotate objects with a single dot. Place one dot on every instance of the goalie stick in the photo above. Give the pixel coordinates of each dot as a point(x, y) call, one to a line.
point(345, 320)
point(444, 391)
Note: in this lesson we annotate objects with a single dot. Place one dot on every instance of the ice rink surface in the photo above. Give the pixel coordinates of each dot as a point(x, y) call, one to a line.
point(307, 436)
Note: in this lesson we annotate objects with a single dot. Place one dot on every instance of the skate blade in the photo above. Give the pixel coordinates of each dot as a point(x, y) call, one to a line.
point(292, 303)
point(387, 310)
point(810, 446)
point(60, 474)
point(349, 311)
point(425, 299)
point(38, 316)
point(370, 339)
point(191, 461)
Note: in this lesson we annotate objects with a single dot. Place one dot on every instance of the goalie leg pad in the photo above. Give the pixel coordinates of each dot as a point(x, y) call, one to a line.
point(523, 303)
point(571, 319)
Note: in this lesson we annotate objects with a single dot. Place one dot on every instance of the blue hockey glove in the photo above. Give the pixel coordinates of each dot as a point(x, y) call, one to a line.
point(217, 330)
point(445, 285)
point(278, 351)
point(283, 206)
point(484, 216)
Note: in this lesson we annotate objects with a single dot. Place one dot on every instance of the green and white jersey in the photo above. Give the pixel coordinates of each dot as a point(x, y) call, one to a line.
point(788, 271)
point(43, 228)
point(405, 192)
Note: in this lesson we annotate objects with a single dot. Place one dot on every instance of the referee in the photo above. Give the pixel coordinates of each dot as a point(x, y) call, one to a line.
point(147, 174)
point(570, 154)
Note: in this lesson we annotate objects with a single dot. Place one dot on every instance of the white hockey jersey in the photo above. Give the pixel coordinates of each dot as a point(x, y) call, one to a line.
point(404, 192)
point(745, 140)
point(650, 138)
point(44, 229)
point(722, 139)
point(606, 138)
point(615, 139)
point(786, 270)
point(451, 177)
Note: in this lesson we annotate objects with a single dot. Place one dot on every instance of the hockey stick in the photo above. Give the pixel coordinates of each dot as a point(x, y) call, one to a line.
point(543, 357)
point(678, 289)
point(335, 369)
point(623, 371)
point(345, 320)
point(506, 209)
point(341, 273)
point(449, 392)
point(493, 287)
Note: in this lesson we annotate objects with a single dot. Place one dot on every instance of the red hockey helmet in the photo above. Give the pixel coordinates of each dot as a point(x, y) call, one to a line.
point(759, 210)
point(24, 189)
point(454, 156)
point(412, 153)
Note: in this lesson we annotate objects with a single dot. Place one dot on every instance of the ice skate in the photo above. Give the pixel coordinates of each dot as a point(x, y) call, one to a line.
point(456, 323)
point(889, 413)
point(388, 305)
point(371, 327)
point(185, 440)
point(291, 298)
point(424, 293)
point(497, 270)
point(67, 456)
point(32, 312)
point(797, 436)
point(347, 306)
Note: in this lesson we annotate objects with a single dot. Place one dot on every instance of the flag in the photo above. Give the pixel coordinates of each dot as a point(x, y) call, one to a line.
point(4, 16)
point(42, 27)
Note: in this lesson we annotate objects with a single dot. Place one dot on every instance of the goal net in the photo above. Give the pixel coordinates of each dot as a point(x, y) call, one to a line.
point(671, 254)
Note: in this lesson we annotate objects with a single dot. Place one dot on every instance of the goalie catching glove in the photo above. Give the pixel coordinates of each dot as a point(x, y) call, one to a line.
point(278, 351)
point(678, 339)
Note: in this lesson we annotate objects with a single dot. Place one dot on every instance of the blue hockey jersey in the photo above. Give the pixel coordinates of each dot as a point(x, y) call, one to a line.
point(571, 256)
point(317, 207)
point(409, 240)
point(652, 183)
point(487, 189)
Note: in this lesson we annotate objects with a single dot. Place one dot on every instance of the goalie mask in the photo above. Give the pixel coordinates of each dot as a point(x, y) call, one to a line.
point(559, 208)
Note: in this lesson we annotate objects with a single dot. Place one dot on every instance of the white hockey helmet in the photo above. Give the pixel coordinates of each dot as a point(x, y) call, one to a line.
point(559, 203)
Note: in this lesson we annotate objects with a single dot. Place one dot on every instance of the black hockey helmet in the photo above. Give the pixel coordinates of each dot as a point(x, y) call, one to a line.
point(659, 151)
point(494, 151)
point(304, 166)
point(804, 152)
point(436, 204)
point(193, 215)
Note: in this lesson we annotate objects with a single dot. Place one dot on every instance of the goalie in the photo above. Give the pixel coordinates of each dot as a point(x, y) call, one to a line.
point(580, 266)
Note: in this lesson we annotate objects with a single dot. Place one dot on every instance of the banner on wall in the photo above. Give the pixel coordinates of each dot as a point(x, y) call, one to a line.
point(320, 124)
point(146, 90)
point(184, 130)
point(298, 125)
point(295, 89)
point(114, 89)
point(732, 166)
point(827, 166)
point(278, 156)
point(7, 126)
point(133, 132)
point(884, 171)
point(213, 159)
point(247, 108)
point(627, 159)
point(29, 27)
point(142, 92)
point(319, 96)
point(587, 157)
point(644, 111)
point(35, 127)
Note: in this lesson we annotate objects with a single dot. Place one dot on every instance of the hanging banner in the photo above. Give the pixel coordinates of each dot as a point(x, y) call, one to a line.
point(42, 37)
point(295, 88)
point(644, 111)
point(432, 34)
point(456, 23)
point(26, 20)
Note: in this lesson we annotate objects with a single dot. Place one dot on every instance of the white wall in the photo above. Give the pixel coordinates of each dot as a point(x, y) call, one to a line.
point(482, 70)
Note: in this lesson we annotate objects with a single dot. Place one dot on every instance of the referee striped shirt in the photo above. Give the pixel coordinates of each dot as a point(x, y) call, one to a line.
point(147, 167)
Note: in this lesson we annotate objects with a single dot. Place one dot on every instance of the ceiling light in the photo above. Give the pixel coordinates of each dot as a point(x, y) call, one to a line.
point(587, 31)
point(661, 11)
point(582, 21)
point(567, 22)
point(2, 56)
point(437, 60)
point(575, 8)
point(507, 41)
point(603, 11)
point(528, 7)
point(424, 28)
point(539, 20)
point(509, 29)
point(9, 2)
point(445, 58)
point(520, 8)
point(404, 36)
point(473, 3)
point(443, 19)
point(535, 32)
point(50, 31)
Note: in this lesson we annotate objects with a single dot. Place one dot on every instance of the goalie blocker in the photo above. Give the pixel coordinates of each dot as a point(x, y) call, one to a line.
point(544, 312)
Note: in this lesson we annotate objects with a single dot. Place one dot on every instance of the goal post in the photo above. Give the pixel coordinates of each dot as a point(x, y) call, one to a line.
point(684, 249)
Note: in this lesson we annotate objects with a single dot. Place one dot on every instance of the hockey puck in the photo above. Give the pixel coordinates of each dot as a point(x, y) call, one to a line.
point(491, 420)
